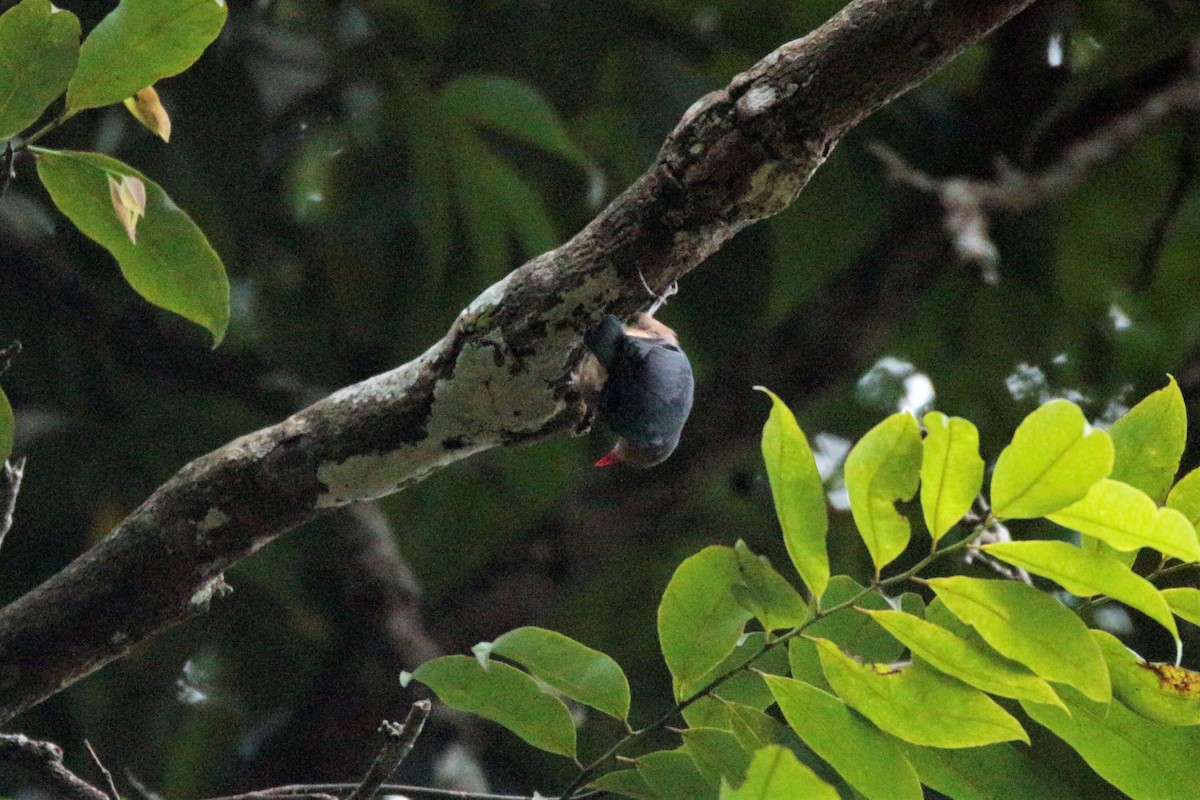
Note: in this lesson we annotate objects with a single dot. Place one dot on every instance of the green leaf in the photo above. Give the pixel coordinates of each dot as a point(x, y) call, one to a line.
point(172, 265)
point(139, 43)
point(804, 663)
point(898, 701)
point(912, 603)
point(1030, 627)
point(1126, 518)
point(799, 495)
point(672, 774)
point(718, 754)
point(986, 773)
point(578, 671)
point(1185, 497)
point(513, 108)
point(625, 782)
point(1160, 692)
point(8, 427)
point(766, 594)
point(1143, 759)
point(776, 774)
point(951, 471)
point(747, 686)
point(39, 45)
point(1087, 573)
point(430, 184)
point(882, 468)
point(754, 728)
point(505, 695)
point(867, 758)
point(969, 660)
point(709, 711)
point(851, 630)
point(495, 202)
point(1184, 603)
point(1054, 458)
point(481, 209)
point(1148, 441)
point(699, 621)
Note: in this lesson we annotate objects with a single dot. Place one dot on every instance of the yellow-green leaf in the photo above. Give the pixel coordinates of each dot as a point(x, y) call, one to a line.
point(776, 774)
point(138, 43)
point(1148, 441)
point(1161, 692)
point(1184, 602)
point(970, 660)
point(673, 773)
point(626, 783)
point(1145, 760)
point(1126, 519)
point(39, 45)
point(883, 468)
point(951, 471)
point(745, 687)
point(865, 757)
point(1031, 627)
point(1185, 497)
point(504, 695)
point(1087, 573)
point(699, 621)
point(767, 594)
point(576, 670)
point(1054, 458)
point(899, 700)
point(799, 495)
point(172, 264)
point(717, 754)
point(987, 773)
point(851, 630)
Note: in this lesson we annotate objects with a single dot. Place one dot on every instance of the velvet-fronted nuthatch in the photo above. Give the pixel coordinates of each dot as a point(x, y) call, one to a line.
point(647, 388)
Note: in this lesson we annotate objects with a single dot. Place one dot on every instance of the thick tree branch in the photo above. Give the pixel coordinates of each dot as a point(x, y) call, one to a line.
point(502, 375)
point(43, 762)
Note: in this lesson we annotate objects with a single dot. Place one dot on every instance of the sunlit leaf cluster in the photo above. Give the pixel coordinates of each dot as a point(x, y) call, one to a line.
point(861, 690)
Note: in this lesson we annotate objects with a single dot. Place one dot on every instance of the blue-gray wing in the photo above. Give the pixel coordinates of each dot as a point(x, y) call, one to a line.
point(648, 395)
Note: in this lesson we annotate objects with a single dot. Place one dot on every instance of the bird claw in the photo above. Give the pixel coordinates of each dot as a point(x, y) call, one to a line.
point(659, 299)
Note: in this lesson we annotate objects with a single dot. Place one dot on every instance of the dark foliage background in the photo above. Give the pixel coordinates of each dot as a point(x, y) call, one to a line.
point(356, 220)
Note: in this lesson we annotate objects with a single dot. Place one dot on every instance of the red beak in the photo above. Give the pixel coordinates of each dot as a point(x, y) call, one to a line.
point(609, 459)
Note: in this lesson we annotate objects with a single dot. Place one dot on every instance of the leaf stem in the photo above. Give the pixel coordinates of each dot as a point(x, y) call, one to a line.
point(50, 126)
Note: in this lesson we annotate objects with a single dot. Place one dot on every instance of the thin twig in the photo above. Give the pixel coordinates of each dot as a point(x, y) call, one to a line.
point(10, 168)
point(400, 741)
point(43, 762)
point(8, 353)
point(11, 475)
point(993, 533)
point(112, 787)
point(141, 788)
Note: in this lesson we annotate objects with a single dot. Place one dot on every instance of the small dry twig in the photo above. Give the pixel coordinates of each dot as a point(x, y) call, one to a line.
point(400, 741)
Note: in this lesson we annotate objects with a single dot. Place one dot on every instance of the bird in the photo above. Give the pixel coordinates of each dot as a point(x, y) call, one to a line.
point(646, 395)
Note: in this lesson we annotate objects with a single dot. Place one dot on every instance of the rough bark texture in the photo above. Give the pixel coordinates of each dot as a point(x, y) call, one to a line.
point(502, 374)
